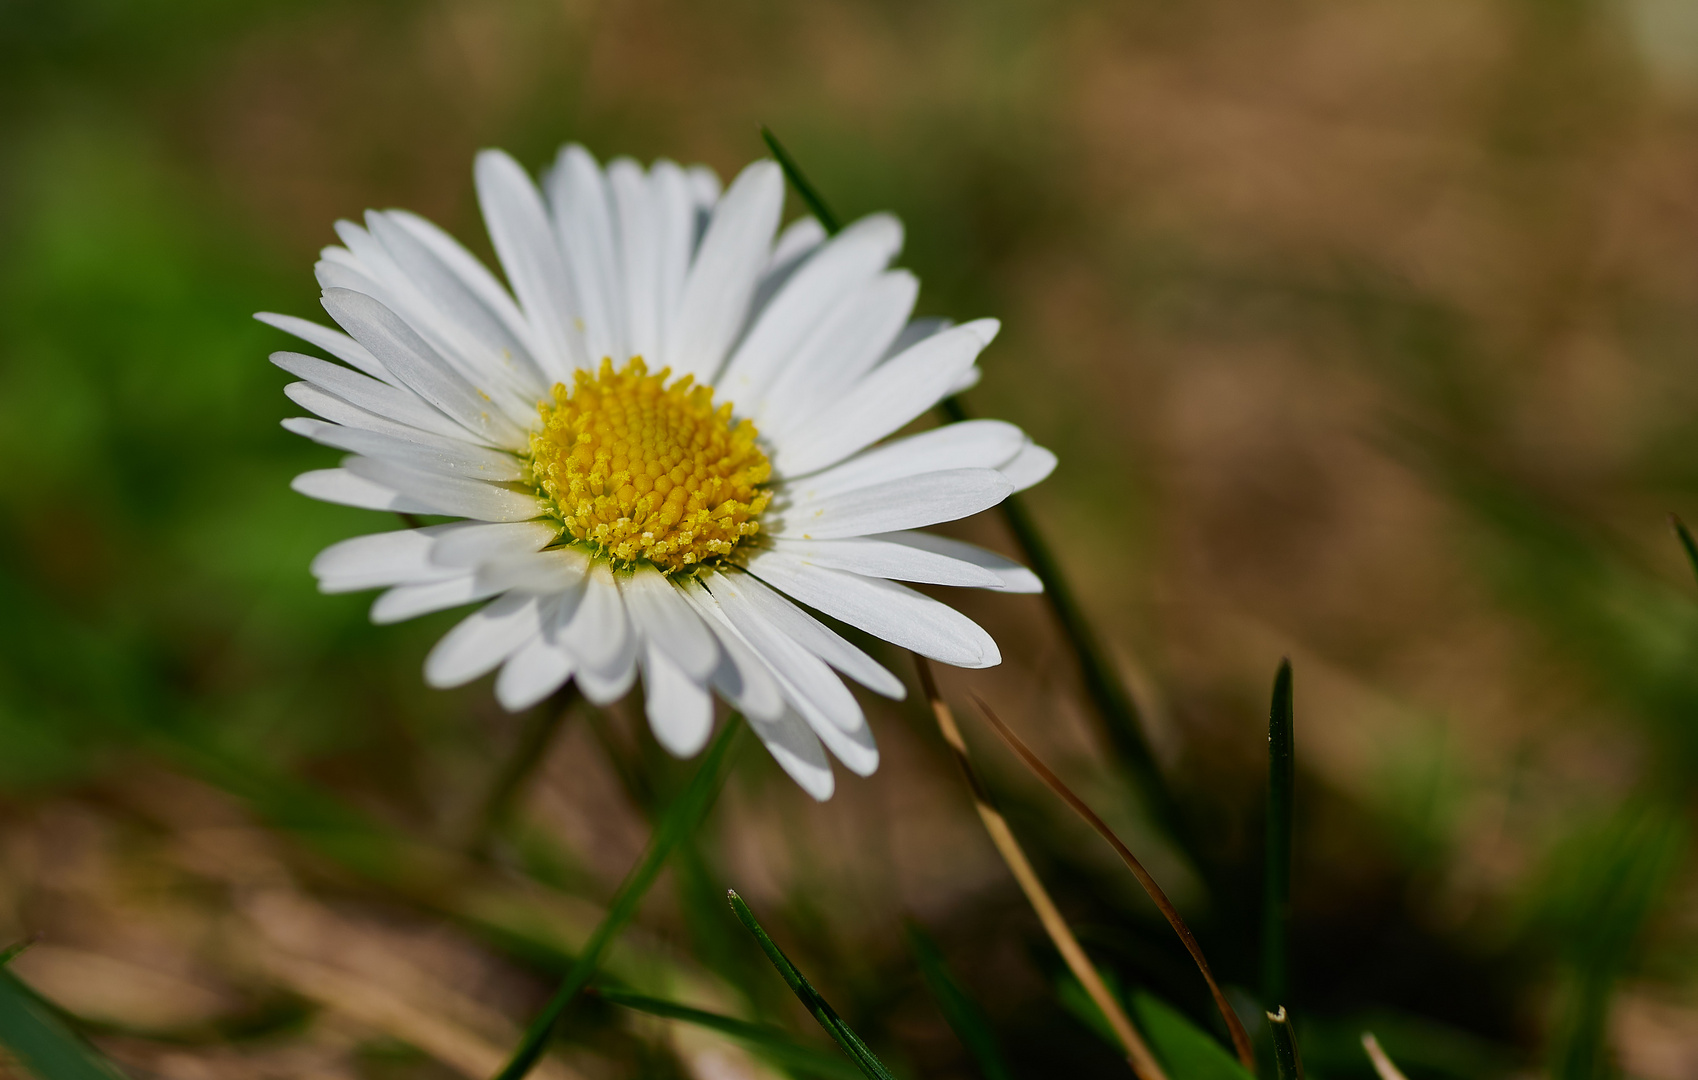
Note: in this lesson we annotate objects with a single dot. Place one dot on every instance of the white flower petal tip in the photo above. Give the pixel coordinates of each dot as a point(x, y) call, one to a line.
point(436, 380)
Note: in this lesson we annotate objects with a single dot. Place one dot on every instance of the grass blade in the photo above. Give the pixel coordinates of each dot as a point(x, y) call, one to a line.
point(1287, 1062)
point(1137, 1053)
point(793, 173)
point(851, 1043)
point(1240, 1037)
point(1686, 541)
point(1276, 892)
point(41, 1042)
point(680, 819)
point(1383, 1065)
point(1186, 1049)
point(770, 1042)
point(962, 1013)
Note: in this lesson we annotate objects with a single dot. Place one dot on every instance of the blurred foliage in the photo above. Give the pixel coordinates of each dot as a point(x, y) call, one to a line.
point(1365, 334)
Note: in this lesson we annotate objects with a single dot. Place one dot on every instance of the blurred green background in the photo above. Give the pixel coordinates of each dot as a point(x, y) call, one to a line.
point(1366, 334)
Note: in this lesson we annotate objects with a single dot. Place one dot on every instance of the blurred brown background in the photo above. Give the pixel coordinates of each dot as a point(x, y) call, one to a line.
point(1364, 331)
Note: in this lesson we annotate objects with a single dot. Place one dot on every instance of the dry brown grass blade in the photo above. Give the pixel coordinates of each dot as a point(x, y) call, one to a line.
point(1137, 1052)
point(1240, 1037)
point(1382, 1064)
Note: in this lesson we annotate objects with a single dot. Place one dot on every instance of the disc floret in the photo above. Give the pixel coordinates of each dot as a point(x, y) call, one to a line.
point(648, 472)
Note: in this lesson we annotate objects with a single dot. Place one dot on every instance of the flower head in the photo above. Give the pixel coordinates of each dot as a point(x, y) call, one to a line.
point(670, 435)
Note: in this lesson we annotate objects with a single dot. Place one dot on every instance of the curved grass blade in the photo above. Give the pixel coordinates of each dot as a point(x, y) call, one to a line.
point(1287, 1062)
point(962, 1013)
point(1276, 891)
point(41, 1042)
point(793, 173)
point(851, 1043)
point(770, 1042)
point(1240, 1037)
point(1384, 1067)
point(1184, 1048)
point(1138, 1055)
point(680, 819)
point(1686, 541)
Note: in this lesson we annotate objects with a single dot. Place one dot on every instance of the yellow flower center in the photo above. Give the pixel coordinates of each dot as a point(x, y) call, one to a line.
point(646, 471)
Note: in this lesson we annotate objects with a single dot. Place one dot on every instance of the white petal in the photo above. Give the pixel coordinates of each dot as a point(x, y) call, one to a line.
point(340, 411)
point(874, 557)
point(1031, 465)
point(489, 348)
point(342, 486)
point(797, 751)
point(536, 669)
point(917, 331)
point(583, 220)
point(476, 278)
point(796, 668)
point(704, 185)
point(666, 619)
point(415, 363)
point(386, 558)
point(884, 609)
point(433, 452)
point(741, 678)
point(675, 243)
point(448, 494)
point(409, 601)
point(606, 683)
point(969, 379)
point(334, 342)
point(896, 504)
point(525, 244)
point(856, 749)
point(680, 710)
point(1014, 578)
point(598, 630)
point(790, 251)
point(896, 392)
point(723, 274)
point(472, 544)
point(482, 640)
point(839, 267)
point(638, 221)
point(841, 349)
point(395, 403)
point(797, 625)
point(972, 444)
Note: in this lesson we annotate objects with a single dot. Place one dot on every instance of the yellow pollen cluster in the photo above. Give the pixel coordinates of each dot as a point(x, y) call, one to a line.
point(647, 471)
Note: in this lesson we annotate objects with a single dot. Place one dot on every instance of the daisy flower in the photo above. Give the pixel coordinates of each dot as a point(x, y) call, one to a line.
point(665, 443)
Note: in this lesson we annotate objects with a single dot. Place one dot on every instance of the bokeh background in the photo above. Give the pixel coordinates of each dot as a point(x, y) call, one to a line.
point(1366, 332)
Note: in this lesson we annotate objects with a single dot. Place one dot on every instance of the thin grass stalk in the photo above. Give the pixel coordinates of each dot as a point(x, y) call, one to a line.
point(1240, 1037)
point(526, 757)
point(1113, 702)
point(1137, 1052)
point(842, 1033)
point(680, 818)
point(774, 1044)
point(1287, 1061)
point(1384, 1067)
point(1276, 880)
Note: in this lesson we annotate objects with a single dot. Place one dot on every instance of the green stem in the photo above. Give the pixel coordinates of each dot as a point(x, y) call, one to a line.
point(793, 172)
point(1276, 893)
point(680, 819)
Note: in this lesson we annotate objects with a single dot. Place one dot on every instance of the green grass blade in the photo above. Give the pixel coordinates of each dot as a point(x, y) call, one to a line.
point(851, 1043)
point(770, 1042)
point(1183, 1048)
point(41, 1042)
point(1288, 1064)
point(963, 1014)
point(793, 172)
point(1276, 892)
point(680, 819)
point(1686, 541)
